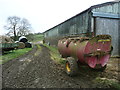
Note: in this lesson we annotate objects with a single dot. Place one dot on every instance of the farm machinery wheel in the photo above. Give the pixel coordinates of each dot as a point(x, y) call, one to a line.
point(71, 66)
point(100, 68)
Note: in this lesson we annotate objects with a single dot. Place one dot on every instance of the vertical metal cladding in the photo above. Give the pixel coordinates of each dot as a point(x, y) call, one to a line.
point(99, 19)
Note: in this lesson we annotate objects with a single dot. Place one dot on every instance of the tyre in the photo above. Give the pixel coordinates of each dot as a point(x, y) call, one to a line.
point(28, 45)
point(63, 56)
point(71, 66)
point(100, 68)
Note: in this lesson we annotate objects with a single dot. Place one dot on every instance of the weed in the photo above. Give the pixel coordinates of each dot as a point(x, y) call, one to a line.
point(39, 50)
point(55, 54)
point(110, 83)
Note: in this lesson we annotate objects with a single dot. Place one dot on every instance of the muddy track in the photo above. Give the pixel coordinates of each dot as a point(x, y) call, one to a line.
point(15, 61)
point(37, 70)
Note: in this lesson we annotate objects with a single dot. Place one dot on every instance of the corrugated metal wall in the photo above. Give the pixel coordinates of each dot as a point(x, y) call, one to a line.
point(74, 26)
point(98, 19)
point(111, 8)
point(109, 26)
point(108, 23)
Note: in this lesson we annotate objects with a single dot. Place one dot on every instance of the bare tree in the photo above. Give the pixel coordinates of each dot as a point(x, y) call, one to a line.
point(17, 26)
point(25, 27)
point(12, 25)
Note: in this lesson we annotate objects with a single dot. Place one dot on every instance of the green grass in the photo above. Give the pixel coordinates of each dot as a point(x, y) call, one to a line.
point(55, 54)
point(13, 54)
point(107, 82)
point(35, 37)
point(38, 37)
point(38, 50)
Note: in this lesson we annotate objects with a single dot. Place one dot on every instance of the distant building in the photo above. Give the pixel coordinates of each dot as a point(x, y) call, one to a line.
point(99, 19)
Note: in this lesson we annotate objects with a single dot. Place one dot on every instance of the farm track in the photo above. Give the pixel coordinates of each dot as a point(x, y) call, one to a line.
point(36, 70)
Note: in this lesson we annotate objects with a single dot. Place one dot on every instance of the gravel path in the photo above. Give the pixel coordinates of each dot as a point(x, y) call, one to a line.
point(37, 70)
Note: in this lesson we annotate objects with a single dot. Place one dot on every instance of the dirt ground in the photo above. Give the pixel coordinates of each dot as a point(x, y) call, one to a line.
point(36, 70)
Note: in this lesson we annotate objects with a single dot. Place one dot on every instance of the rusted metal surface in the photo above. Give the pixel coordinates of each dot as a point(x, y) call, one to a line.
point(90, 51)
point(106, 21)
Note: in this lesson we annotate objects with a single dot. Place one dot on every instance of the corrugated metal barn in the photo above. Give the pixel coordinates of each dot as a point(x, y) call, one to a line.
point(99, 19)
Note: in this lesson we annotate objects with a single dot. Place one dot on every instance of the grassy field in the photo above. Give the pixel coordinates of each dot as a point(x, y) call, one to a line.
point(35, 37)
point(38, 37)
point(13, 54)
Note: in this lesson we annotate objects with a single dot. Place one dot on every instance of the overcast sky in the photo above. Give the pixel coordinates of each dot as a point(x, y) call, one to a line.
point(43, 14)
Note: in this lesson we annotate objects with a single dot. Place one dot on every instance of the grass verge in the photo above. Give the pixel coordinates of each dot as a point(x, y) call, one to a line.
point(38, 50)
point(13, 54)
point(55, 55)
point(110, 83)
